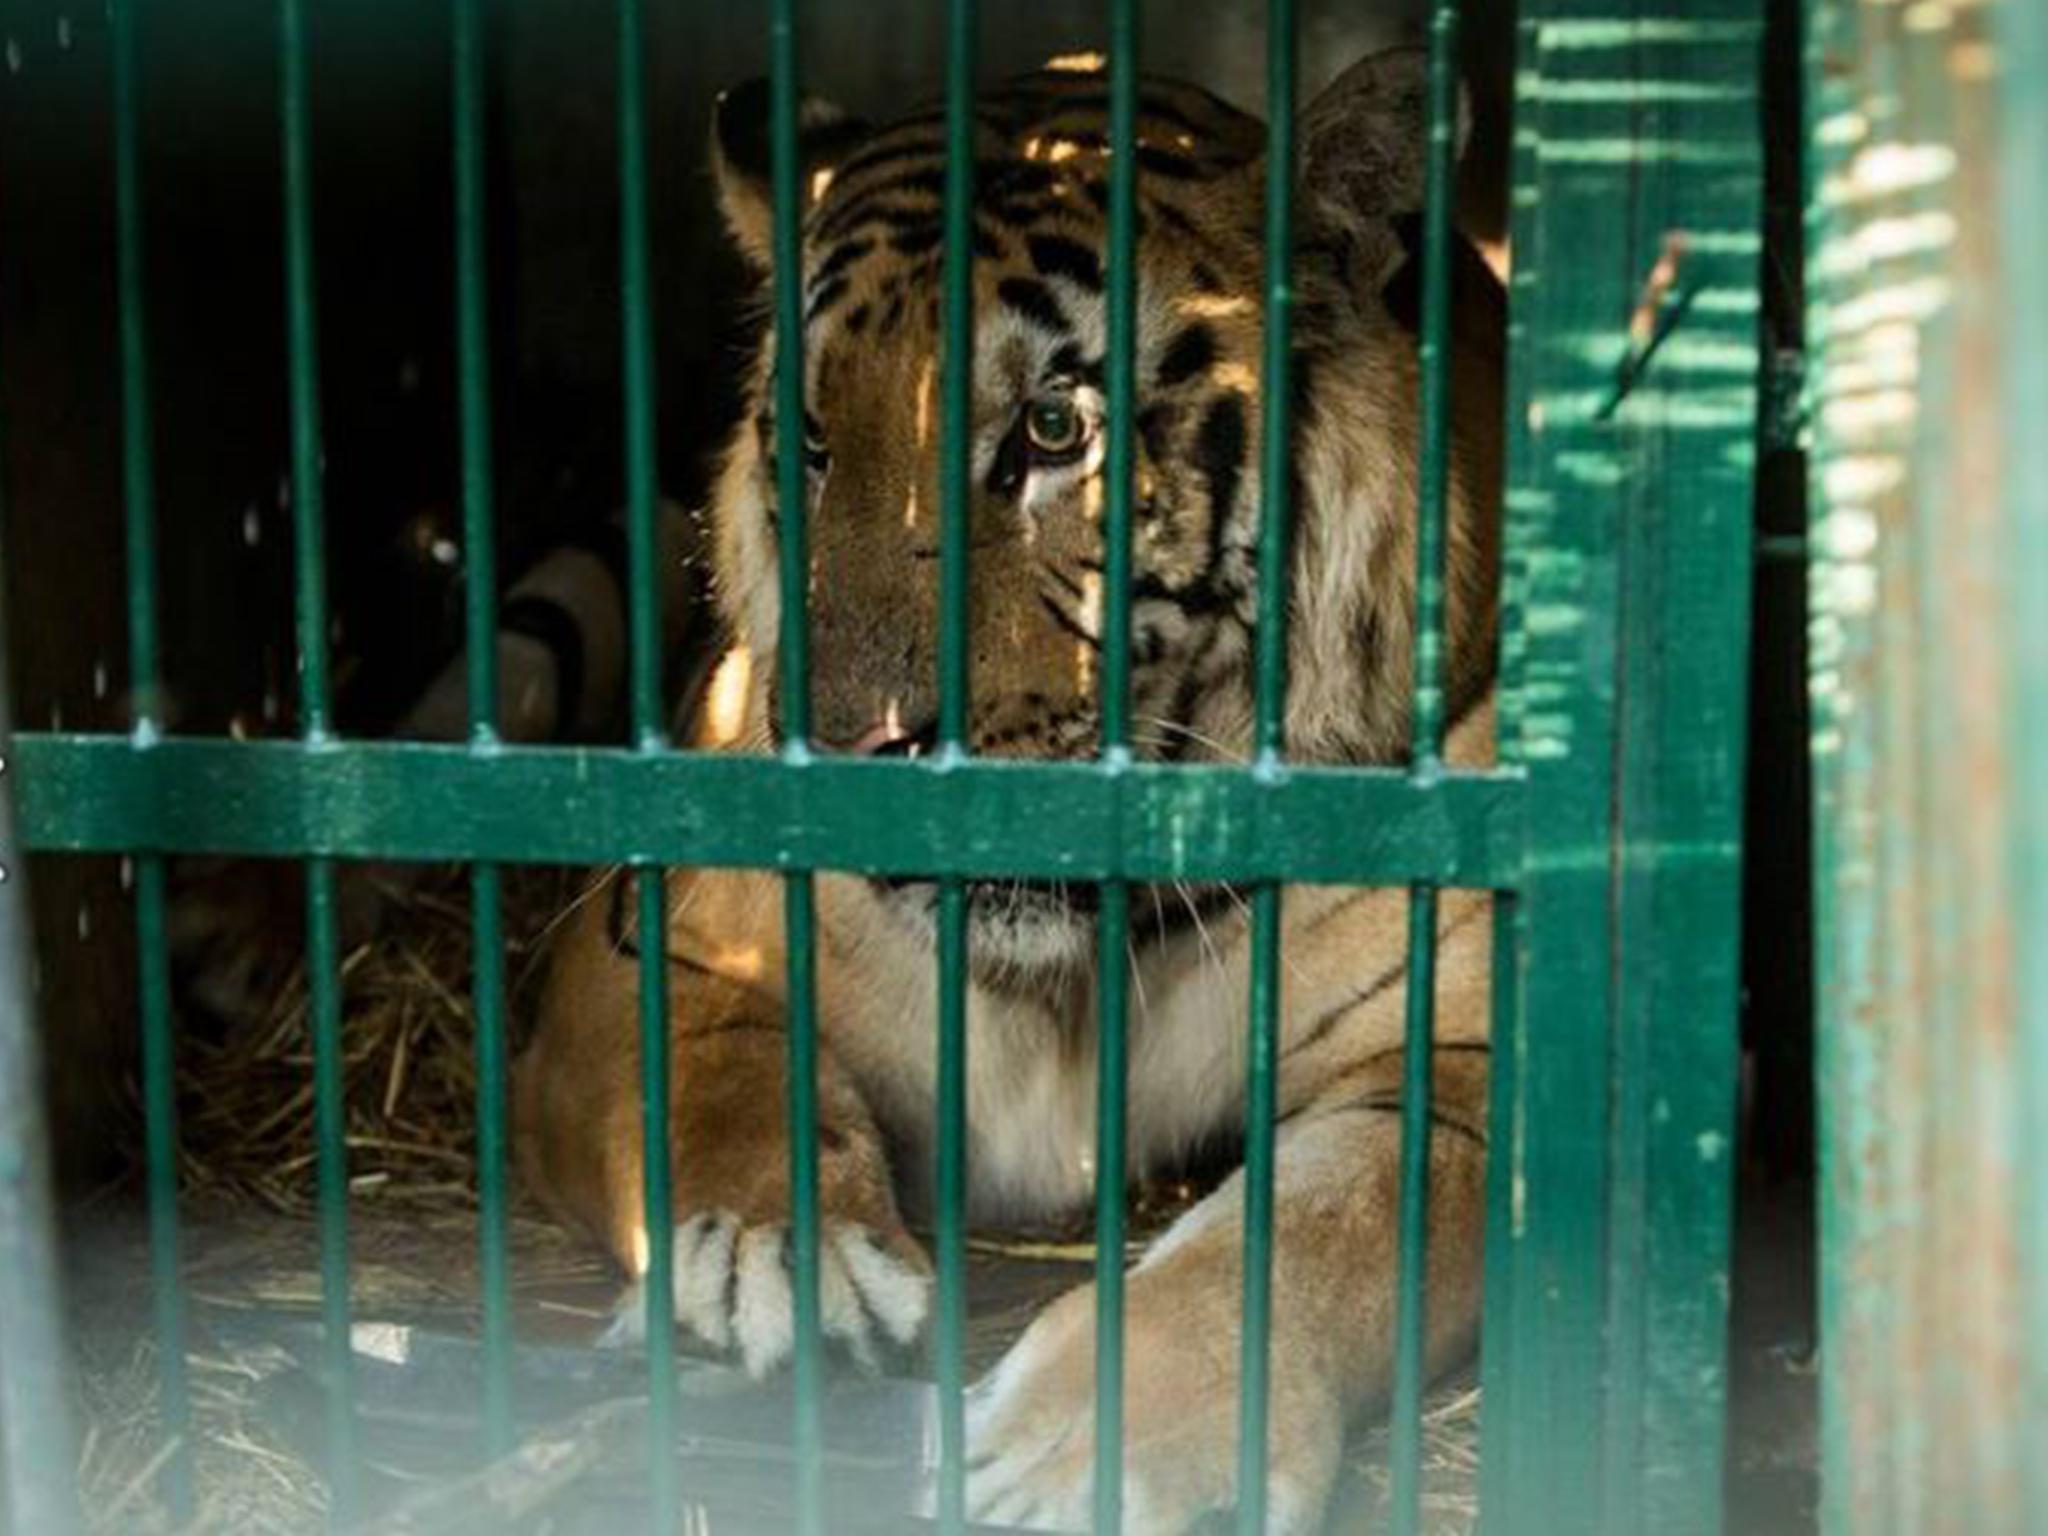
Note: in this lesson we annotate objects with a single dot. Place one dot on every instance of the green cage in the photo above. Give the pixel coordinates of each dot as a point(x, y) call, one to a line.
point(1609, 831)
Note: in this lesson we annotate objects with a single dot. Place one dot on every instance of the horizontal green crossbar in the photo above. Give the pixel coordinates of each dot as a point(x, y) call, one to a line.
point(1064, 820)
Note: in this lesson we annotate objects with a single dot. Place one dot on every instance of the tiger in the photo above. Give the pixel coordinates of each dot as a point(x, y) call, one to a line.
point(872, 255)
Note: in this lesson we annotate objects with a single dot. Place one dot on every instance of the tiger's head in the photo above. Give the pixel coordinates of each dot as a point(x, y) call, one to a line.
point(873, 299)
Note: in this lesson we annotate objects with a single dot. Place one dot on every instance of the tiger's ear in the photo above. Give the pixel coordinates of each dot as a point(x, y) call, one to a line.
point(1364, 152)
point(741, 160)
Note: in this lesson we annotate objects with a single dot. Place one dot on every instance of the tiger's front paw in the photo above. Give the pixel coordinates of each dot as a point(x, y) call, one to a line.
point(734, 1290)
point(1031, 1425)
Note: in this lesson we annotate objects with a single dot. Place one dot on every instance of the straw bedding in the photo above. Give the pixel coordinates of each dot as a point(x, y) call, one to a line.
point(251, 1243)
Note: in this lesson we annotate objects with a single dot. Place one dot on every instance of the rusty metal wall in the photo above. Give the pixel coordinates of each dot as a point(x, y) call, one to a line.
point(1927, 336)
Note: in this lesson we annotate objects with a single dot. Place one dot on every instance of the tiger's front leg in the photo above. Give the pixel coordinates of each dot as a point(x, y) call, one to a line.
point(1335, 1266)
point(578, 1105)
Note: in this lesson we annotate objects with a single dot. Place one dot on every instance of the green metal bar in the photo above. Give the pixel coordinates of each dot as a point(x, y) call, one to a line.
point(1630, 487)
point(650, 739)
point(956, 424)
point(637, 314)
point(1261, 1106)
point(160, 1143)
point(1039, 820)
point(1112, 1005)
point(1112, 1178)
point(159, 1089)
point(323, 960)
point(1120, 378)
point(309, 528)
point(1404, 1450)
point(1426, 756)
point(2022, 33)
point(1427, 727)
point(1500, 1348)
point(1497, 1379)
point(1685, 550)
point(792, 493)
point(487, 958)
point(1275, 455)
point(38, 1455)
point(950, 1187)
point(658, 1196)
point(330, 1133)
point(799, 917)
point(956, 491)
point(1269, 738)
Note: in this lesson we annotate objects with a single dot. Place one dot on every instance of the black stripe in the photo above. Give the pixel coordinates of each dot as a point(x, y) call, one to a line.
point(1191, 352)
point(1068, 363)
point(1033, 301)
point(1219, 453)
point(1058, 256)
point(841, 258)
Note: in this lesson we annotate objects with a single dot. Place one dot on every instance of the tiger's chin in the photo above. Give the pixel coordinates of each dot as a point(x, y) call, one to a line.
point(1021, 934)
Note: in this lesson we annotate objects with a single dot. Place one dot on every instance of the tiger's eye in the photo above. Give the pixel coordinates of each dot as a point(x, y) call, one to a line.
point(1054, 426)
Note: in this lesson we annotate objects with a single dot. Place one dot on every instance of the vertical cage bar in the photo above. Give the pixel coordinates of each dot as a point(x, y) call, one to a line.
point(481, 592)
point(1629, 484)
point(951, 1190)
point(795, 702)
point(1427, 720)
point(2023, 35)
point(643, 598)
point(1113, 913)
point(1497, 1379)
point(1269, 737)
point(1506, 1148)
point(323, 961)
point(1426, 757)
point(145, 682)
point(38, 1456)
point(658, 1196)
point(956, 442)
point(637, 351)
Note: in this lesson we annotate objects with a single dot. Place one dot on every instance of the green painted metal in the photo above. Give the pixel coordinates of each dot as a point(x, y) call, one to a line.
point(1269, 730)
point(1404, 1446)
point(98, 794)
point(1925, 503)
point(1113, 912)
point(1426, 730)
point(37, 1450)
point(1628, 496)
point(323, 958)
point(650, 738)
point(153, 993)
point(1501, 1470)
point(658, 1193)
point(1609, 829)
point(956, 492)
point(794, 701)
point(2021, 33)
point(481, 652)
point(950, 1189)
point(636, 313)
